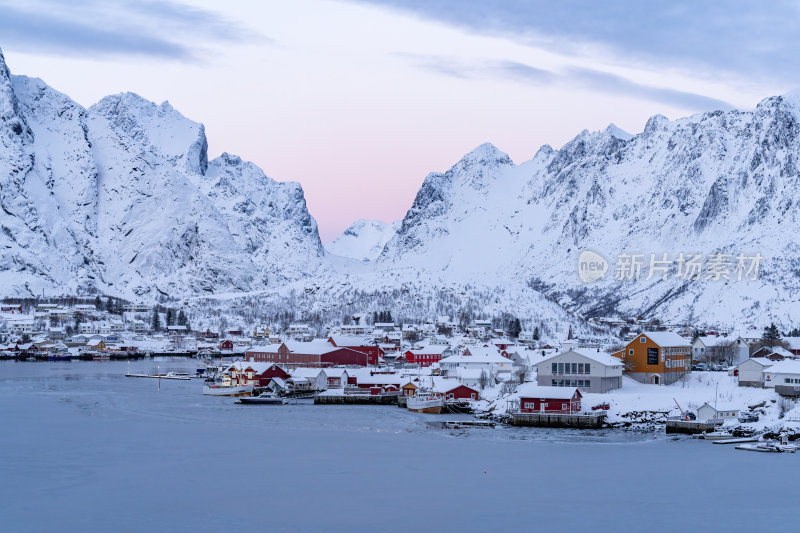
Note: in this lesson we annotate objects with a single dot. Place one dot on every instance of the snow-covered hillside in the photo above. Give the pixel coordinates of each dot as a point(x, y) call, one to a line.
point(363, 240)
point(121, 198)
point(719, 182)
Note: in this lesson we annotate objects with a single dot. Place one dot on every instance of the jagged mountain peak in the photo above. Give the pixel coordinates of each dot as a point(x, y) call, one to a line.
point(116, 199)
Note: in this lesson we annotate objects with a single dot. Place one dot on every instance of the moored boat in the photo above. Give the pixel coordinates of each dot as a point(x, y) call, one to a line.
point(100, 356)
point(425, 402)
point(169, 375)
point(265, 398)
point(718, 435)
point(220, 390)
point(768, 447)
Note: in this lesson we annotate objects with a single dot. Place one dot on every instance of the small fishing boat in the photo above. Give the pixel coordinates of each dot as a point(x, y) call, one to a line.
point(425, 402)
point(220, 390)
point(768, 447)
point(98, 356)
point(265, 398)
point(718, 435)
point(59, 357)
point(738, 440)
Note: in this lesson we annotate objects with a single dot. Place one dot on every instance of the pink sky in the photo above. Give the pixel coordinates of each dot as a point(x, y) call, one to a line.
point(359, 103)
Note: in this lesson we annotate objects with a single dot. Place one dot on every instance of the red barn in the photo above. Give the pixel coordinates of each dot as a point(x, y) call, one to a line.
point(451, 389)
point(317, 353)
point(542, 399)
point(359, 344)
point(226, 345)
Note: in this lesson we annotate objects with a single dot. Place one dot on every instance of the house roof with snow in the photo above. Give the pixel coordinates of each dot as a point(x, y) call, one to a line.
point(787, 366)
point(532, 390)
point(306, 372)
point(666, 338)
point(593, 354)
point(763, 361)
point(258, 367)
point(351, 340)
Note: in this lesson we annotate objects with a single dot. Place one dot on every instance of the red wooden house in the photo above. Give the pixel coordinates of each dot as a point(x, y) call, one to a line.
point(256, 374)
point(542, 399)
point(359, 344)
point(227, 344)
point(425, 356)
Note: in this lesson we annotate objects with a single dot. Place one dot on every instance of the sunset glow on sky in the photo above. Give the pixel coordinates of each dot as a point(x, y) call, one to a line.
point(358, 101)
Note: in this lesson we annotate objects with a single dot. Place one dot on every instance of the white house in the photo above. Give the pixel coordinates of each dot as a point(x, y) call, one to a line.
point(782, 374)
point(586, 369)
point(709, 412)
point(471, 377)
point(751, 371)
point(732, 350)
point(316, 377)
point(482, 357)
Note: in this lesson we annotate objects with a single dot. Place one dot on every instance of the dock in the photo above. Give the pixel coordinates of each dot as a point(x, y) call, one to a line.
point(559, 420)
point(691, 427)
point(341, 399)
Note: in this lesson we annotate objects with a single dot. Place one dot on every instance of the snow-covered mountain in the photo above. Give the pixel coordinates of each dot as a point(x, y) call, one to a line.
point(718, 182)
point(121, 198)
point(363, 240)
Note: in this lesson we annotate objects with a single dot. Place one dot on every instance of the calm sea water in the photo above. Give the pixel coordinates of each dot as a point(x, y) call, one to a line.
point(82, 448)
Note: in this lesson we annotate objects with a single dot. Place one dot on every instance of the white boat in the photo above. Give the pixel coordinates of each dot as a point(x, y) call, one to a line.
point(425, 402)
point(219, 390)
point(768, 447)
point(717, 435)
point(265, 398)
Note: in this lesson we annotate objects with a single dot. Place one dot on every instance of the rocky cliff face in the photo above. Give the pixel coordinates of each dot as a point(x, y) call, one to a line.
point(121, 198)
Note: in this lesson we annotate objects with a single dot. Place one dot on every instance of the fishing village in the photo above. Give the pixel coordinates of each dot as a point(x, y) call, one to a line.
point(737, 388)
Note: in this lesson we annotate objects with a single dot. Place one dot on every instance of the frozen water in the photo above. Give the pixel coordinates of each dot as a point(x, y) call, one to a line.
point(86, 449)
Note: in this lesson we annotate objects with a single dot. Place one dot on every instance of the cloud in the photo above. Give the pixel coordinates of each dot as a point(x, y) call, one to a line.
point(151, 28)
point(573, 76)
point(740, 38)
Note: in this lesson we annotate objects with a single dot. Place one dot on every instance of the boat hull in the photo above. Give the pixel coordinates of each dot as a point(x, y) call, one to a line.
point(262, 401)
point(434, 409)
point(228, 391)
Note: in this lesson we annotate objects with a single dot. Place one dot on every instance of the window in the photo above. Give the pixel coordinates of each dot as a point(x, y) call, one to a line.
point(580, 368)
point(563, 407)
point(588, 368)
point(555, 368)
point(555, 383)
point(652, 356)
point(630, 352)
point(588, 383)
point(642, 340)
point(574, 368)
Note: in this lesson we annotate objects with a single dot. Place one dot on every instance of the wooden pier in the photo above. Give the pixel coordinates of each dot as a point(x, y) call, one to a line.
point(691, 427)
point(559, 420)
point(332, 399)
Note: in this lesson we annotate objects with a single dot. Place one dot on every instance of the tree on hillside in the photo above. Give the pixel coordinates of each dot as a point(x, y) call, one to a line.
point(697, 333)
point(536, 333)
point(170, 318)
point(792, 333)
point(771, 333)
point(98, 303)
point(155, 323)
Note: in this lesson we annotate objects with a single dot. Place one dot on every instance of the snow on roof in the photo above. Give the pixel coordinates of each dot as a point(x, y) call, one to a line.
point(352, 340)
point(258, 367)
point(335, 372)
point(306, 372)
point(714, 340)
point(792, 342)
point(787, 366)
point(433, 349)
point(315, 347)
point(763, 361)
point(590, 353)
point(780, 350)
point(531, 390)
point(666, 338)
point(443, 385)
